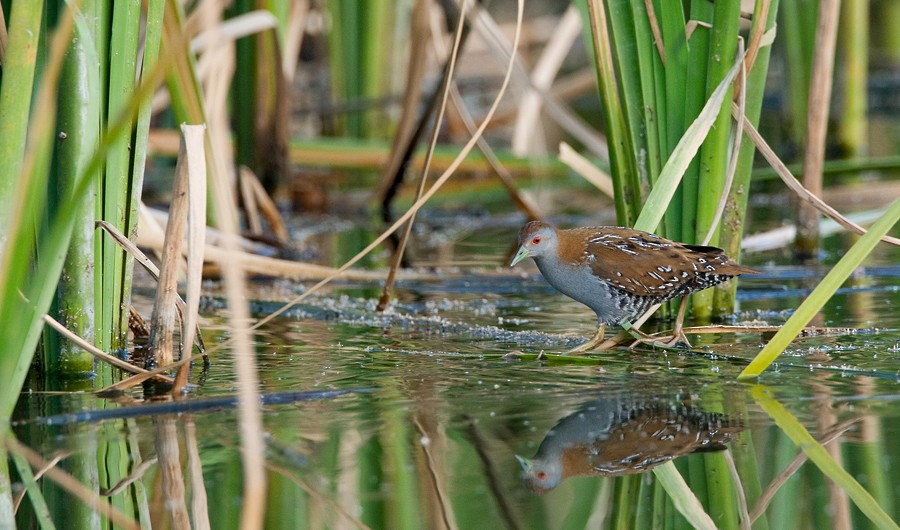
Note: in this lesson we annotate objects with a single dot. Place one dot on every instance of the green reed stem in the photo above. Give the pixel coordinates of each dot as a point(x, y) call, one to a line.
point(629, 59)
point(375, 53)
point(29, 286)
point(798, 27)
point(695, 94)
point(731, 228)
point(243, 91)
point(24, 34)
point(655, 206)
point(714, 154)
point(622, 169)
point(126, 26)
point(22, 297)
point(78, 126)
point(672, 21)
point(854, 45)
point(149, 61)
point(359, 45)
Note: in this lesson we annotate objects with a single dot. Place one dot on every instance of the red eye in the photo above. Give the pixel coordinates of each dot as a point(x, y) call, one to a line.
point(535, 240)
point(540, 474)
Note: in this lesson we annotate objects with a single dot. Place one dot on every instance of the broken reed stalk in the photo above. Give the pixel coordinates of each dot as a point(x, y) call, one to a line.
point(135, 380)
point(248, 201)
point(138, 255)
point(196, 240)
point(162, 323)
point(741, 85)
point(756, 66)
point(807, 246)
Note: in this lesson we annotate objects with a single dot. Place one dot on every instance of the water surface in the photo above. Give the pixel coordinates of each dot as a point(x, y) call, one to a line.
point(443, 391)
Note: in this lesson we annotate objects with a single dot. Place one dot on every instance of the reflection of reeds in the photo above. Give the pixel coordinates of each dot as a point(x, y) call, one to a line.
point(501, 496)
point(199, 503)
point(169, 500)
point(71, 484)
point(433, 445)
point(819, 455)
point(765, 498)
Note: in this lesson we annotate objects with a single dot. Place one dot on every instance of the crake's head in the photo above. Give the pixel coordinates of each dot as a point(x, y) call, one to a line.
point(536, 239)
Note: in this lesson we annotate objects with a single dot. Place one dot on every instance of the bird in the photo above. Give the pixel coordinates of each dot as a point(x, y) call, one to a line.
point(621, 435)
point(621, 272)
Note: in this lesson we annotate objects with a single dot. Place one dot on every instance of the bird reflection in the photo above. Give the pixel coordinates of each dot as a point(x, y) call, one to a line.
point(618, 436)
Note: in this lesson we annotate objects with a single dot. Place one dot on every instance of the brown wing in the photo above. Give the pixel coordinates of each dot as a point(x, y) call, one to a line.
point(648, 265)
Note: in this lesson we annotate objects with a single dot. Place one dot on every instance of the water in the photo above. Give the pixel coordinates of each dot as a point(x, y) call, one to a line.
point(444, 399)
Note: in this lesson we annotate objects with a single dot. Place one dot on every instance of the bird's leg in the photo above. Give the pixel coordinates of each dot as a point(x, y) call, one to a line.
point(677, 333)
point(643, 338)
point(595, 340)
